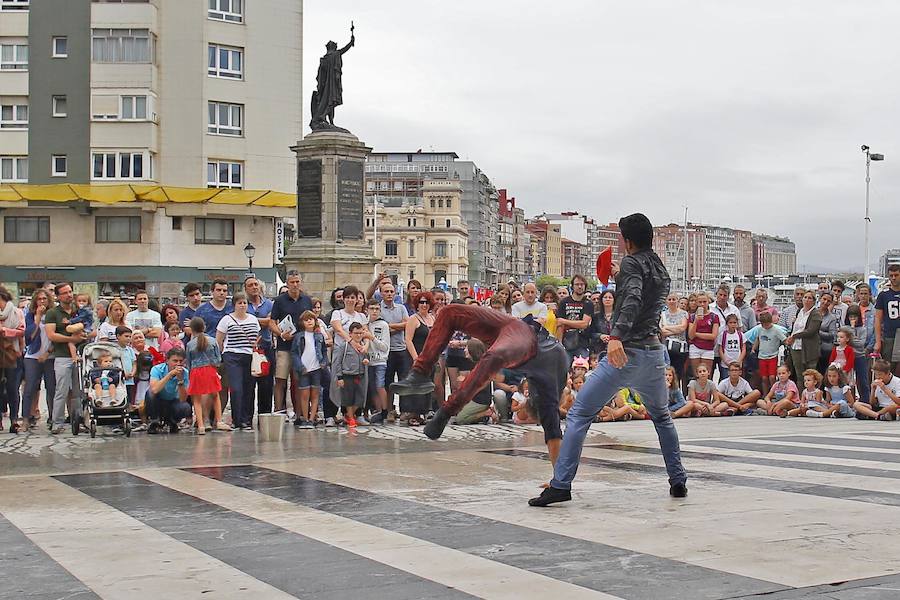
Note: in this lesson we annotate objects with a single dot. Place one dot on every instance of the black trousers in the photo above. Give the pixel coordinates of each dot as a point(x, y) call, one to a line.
point(398, 365)
point(166, 411)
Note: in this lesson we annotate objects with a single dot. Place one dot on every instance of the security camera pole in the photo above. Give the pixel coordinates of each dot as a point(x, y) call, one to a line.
point(870, 156)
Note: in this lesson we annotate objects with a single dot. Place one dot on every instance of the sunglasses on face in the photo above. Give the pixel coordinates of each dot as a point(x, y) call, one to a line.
point(424, 302)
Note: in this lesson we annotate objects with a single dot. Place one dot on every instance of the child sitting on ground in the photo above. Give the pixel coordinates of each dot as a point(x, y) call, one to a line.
point(105, 378)
point(524, 412)
point(783, 395)
point(579, 367)
point(678, 406)
point(736, 392)
point(812, 401)
point(885, 397)
point(702, 394)
point(570, 392)
point(839, 396)
point(82, 321)
point(625, 406)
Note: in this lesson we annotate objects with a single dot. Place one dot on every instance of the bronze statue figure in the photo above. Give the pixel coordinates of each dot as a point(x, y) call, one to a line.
point(329, 91)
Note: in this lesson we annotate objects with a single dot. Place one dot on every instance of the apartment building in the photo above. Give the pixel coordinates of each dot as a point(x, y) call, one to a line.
point(180, 92)
point(145, 95)
point(514, 240)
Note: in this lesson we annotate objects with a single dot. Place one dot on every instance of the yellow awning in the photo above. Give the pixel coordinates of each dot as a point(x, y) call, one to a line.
point(115, 194)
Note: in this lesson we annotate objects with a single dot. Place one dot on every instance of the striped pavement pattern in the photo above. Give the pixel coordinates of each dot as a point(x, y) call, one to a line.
point(289, 530)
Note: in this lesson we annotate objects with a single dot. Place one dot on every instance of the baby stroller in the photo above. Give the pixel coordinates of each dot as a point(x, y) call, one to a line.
point(105, 410)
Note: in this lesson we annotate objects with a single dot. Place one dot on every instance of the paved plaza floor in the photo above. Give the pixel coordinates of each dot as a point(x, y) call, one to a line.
point(778, 508)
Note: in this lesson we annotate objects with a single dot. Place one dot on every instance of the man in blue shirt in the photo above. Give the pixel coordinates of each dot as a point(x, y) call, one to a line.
point(167, 399)
point(292, 303)
point(212, 312)
point(261, 307)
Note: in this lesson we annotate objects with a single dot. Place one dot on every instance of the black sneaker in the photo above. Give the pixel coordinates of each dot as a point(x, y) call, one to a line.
point(153, 428)
point(173, 428)
point(678, 490)
point(413, 384)
point(551, 495)
point(435, 427)
point(376, 419)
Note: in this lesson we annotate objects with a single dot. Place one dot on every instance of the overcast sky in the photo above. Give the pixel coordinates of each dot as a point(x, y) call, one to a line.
point(750, 113)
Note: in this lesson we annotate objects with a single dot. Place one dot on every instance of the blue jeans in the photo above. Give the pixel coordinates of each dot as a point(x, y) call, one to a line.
point(644, 373)
point(35, 371)
point(240, 385)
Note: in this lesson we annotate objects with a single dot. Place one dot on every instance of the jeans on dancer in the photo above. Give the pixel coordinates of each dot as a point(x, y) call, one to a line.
point(645, 373)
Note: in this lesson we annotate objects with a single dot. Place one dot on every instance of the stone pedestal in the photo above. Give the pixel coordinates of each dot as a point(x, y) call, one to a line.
point(330, 249)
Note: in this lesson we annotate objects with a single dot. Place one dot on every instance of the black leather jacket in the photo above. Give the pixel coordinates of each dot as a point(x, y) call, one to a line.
point(642, 285)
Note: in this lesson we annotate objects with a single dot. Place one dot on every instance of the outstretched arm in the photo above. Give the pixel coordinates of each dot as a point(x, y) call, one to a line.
point(348, 46)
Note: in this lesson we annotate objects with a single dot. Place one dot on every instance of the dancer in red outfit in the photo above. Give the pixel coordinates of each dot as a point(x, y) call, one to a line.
point(521, 344)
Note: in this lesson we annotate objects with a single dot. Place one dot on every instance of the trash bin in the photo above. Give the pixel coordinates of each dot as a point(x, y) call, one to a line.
point(270, 427)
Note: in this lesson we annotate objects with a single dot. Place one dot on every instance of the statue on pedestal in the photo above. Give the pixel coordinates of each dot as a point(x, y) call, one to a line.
point(329, 92)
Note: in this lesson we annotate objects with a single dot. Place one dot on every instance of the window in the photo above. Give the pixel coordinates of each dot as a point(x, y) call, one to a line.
point(60, 46)
point(113, 230)
point(225, 119)
point(432, 221)
point(13, 57)
point(59, 165)
point(26, 230)
point(214, 231)
point(13, 169)
point(176, 223)
point(226, 10)
point(449, 202)
point(390, 247)
point(134, 108)
point(123, 46)
point(226, 62)
point(440, 203)
point(59, 106)
point(14, 116)
point(412, 248)
point(432, 205)
point(448, 223)
point(223, 174)
point(119, 165)
point(13, 5)
point(440, 249)
point(440, 275)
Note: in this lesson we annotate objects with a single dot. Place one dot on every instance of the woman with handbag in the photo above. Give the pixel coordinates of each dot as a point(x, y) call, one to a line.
point(672, 327)
point(237, 334)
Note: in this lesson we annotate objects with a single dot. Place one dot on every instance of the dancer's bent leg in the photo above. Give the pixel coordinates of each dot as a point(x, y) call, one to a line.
point(650, 383)
point(596, 393)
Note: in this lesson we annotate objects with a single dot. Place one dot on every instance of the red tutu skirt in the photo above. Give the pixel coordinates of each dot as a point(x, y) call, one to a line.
point(204, 380)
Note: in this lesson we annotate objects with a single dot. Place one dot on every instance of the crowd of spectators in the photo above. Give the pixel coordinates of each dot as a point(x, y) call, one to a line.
point(214, 365)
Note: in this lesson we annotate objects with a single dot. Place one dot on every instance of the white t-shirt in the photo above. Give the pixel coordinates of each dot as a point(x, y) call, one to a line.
point(521, 310)
point(240, 334)
point(735, 392)
point(148, 319)
point(346, 320)
point(308, 358)
point(106, 332)
point(893, 385)
point(732, 345)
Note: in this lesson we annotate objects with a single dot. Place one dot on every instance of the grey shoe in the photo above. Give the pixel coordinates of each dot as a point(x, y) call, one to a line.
point(329, 422)
point(413, 384)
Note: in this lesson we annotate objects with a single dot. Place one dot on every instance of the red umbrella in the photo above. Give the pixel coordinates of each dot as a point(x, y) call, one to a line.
point(604, 265)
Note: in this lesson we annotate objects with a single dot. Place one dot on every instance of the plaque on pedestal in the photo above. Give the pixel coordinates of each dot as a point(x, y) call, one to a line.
point(309, 198)
point(350, 200)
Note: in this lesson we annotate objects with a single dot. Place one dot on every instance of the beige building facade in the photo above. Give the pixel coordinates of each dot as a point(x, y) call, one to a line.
point(427, 241)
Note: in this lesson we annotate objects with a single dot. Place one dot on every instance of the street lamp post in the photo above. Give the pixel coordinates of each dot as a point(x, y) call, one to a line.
point(870, 156)
point(250, 252)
